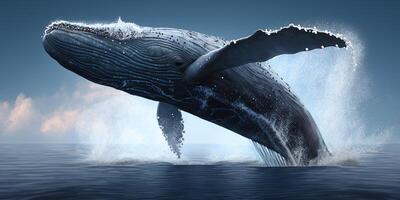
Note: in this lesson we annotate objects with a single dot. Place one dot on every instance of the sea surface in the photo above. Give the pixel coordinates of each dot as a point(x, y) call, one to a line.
point(37, 171)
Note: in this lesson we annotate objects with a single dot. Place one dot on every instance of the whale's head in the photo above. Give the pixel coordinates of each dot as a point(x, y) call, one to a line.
point(140, 60)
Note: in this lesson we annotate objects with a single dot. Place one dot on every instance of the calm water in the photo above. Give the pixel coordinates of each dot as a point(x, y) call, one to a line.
point(59, 172)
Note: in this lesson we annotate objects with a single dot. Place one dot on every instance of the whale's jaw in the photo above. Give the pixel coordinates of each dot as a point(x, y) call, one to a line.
point(88, 49)
point(80, 52)
point(116, 55)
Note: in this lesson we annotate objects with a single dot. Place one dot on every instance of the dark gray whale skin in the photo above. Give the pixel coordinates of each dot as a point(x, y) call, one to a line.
point(248, 100)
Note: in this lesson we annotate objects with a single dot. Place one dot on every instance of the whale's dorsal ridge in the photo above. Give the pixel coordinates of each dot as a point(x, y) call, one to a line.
point(262, 46)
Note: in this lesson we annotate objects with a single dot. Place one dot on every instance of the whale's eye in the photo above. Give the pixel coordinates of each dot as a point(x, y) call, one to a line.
point(178, 63)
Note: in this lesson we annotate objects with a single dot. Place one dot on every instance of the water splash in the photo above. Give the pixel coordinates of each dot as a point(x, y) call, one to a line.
point(123, 129)
point(270, 157)
point(332, 85)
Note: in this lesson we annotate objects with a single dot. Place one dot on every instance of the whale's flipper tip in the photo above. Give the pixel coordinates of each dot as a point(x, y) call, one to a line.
point(171, 123)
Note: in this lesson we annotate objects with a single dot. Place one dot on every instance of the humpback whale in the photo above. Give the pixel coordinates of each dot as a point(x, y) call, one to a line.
point(224, 82)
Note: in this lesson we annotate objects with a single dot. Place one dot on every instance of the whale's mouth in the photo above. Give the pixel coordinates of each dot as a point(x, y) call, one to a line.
point(119, 30)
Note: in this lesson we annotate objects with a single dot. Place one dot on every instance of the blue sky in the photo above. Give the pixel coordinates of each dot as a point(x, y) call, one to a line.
point(30, 79)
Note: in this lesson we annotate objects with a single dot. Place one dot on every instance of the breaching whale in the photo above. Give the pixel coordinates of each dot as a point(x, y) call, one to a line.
point(222, 82)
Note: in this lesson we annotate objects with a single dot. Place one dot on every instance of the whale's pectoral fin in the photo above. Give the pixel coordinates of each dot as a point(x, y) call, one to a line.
point(171, 124)
point(259, 47)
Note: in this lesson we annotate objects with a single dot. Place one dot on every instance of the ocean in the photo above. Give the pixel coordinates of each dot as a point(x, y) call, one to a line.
point(43, 171)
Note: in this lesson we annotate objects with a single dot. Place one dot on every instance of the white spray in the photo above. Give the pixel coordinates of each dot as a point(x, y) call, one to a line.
point(331, 84)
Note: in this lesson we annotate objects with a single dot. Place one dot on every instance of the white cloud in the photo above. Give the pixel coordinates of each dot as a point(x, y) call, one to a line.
point(59, 122)
point(4, 112)
point(16, 117)
point(72, 104)
point(89, 92)
point(53, 113)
